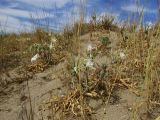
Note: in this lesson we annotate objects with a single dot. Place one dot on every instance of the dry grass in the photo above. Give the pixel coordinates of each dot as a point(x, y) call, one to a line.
point(142, 64)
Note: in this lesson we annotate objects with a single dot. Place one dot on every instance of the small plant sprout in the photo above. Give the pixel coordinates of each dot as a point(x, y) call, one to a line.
point(34, 58)
point(105, 41)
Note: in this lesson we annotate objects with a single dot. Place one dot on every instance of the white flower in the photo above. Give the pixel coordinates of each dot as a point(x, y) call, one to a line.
point(53, 40)
point(75, 69)
point(89, 63)
point(28, 39)
point(50, 34)
point(90, 55)
point(122, 55)
point(34, 58)
point(89, 47)
point(51, 46)
point(150, 25)
point(138, 28)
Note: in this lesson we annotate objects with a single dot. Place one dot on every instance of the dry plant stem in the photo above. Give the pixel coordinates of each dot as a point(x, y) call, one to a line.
point(135, 111)
point(41, 115)
point(155, 103)
point(147, 77)
point(52, 111)
point(111, 90)
point(79, 66)
point(87, 80)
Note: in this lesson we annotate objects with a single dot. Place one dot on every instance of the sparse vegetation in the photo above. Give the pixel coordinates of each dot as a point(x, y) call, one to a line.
point(94, 67)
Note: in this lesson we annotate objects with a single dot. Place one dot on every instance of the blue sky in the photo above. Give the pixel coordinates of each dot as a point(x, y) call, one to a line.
point(20, 15)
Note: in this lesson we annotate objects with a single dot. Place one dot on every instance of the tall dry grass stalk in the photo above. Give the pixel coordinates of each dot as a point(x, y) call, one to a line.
point(82, 3)
point(152, 76)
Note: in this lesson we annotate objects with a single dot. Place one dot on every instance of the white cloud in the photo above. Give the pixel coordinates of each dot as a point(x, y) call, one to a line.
point(135, 8)
point(23, 13)
point(4, 19)
point(46, 3)
point(113, 14)
point(10, 21)
point(11, 24)
point(14, 12)
point(9, 14)
point(68, 14)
